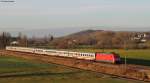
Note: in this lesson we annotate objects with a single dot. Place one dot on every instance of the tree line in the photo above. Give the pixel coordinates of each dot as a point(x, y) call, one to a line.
point(22, 40)
point(93, 39)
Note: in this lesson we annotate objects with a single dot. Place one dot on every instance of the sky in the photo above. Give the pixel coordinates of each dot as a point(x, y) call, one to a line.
point(66, 14)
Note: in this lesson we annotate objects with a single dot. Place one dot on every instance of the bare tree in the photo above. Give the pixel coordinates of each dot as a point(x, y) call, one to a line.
point(5, 38)
point(104, 39)
point(22, 39)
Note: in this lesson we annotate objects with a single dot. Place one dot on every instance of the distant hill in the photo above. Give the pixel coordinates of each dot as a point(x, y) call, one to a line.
point(59, 32)
point(85, 32)
point(99, 38)
point(83, 37)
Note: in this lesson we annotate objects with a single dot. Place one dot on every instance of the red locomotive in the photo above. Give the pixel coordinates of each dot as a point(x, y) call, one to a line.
point(107, 57)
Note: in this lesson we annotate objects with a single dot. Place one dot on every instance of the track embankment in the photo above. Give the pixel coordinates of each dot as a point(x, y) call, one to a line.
point(129, 71)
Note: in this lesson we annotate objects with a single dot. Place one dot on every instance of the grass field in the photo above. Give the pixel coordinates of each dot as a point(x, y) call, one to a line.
point(140, 56)
point(17, 70)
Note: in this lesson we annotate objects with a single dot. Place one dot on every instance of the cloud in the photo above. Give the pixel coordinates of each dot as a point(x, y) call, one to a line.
point(115, 7)
point(74, 10)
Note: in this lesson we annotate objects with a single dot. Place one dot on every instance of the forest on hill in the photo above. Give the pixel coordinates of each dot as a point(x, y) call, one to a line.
point(104, 39)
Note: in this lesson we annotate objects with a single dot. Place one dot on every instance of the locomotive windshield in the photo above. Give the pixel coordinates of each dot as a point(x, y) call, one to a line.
point(116, 56)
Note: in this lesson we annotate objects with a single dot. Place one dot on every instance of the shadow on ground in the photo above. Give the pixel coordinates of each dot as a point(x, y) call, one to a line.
point(27, 74)
point(136, 61)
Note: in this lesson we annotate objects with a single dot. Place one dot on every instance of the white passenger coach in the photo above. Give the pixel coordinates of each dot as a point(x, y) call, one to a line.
point(52, 52)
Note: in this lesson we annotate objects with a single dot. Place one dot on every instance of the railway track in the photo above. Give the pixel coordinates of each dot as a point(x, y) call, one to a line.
point(135, 72)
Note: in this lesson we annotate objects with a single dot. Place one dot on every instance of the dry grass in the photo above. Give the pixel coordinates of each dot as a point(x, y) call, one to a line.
point(16, 70)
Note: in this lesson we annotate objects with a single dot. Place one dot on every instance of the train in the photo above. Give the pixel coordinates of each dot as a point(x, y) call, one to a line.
point(113, 58)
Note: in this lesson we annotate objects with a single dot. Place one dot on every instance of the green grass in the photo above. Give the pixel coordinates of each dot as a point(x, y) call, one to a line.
point(139, 56)
point(17, 70)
